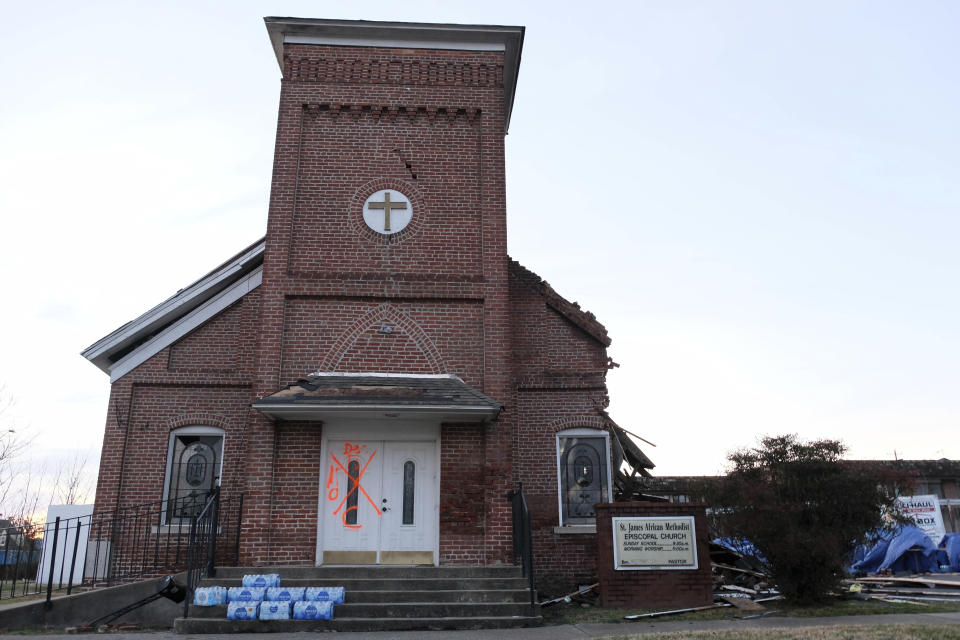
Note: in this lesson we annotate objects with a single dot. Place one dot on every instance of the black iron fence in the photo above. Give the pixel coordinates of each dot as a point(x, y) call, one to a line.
point(103, 549)
point(523, 538)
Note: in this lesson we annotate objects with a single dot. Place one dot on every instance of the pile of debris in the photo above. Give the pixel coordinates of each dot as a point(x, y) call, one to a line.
point(742, 581)
point(737, 563)
point(905, 565)
point(739, 581)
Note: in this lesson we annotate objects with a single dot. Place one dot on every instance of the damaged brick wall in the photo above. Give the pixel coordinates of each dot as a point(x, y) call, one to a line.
point(561, 364)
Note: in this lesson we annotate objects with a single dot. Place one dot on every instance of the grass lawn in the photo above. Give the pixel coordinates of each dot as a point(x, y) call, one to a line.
point(871, 632)
point(575, 614)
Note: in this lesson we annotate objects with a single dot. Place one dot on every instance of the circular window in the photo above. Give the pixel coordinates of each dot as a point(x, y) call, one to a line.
point(371, 202)
point(387, 211)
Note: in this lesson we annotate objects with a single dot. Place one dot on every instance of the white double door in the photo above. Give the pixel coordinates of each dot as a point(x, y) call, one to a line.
point(378, 502)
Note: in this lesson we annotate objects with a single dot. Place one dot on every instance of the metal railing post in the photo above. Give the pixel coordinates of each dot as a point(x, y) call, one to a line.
point(53, 560)
point(236, 544)
point(63, 565)
point(190, 585)
point(212, 545)
point(6, 556)
point(73, 561)
point(16, 569)
point(523, 539)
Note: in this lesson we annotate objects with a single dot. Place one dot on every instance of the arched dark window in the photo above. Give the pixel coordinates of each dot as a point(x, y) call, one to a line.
point(195, 461)
point(583, 477)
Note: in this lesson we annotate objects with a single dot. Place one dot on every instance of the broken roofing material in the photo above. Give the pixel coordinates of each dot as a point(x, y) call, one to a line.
point(324, 395)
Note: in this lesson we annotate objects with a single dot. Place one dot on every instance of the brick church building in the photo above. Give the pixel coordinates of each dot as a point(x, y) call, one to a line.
point(376, 373)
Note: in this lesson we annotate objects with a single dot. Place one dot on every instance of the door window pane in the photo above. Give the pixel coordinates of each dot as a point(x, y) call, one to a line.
point(353, 471)
point(409, 471)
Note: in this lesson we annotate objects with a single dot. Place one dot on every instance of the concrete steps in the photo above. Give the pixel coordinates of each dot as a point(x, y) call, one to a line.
point(391, 598)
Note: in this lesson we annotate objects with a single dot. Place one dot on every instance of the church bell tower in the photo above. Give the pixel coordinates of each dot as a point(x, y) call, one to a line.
point(386, 242)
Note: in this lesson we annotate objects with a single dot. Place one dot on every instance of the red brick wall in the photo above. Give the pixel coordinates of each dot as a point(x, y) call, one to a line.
point(653, 589)
point(296, 494)
point(461, 494)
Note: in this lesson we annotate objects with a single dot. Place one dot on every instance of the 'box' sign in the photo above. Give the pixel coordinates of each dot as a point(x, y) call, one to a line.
point(654, 543)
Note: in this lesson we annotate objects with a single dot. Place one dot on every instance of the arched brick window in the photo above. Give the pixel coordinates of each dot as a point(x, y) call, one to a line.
point(583, 474)
point(194, 468)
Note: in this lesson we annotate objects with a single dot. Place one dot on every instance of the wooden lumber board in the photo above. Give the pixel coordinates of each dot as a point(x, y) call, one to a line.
point(654, 614)
point(733, 587)
point(934, 581)
point(727, 567)
point(570, 595)
point(744, 604)
point(899, 600)
point(912, 591)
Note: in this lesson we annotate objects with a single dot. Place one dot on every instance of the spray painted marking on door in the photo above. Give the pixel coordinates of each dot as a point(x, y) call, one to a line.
point(352, 454)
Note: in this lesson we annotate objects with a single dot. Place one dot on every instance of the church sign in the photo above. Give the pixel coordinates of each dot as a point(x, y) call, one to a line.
point(654, 543)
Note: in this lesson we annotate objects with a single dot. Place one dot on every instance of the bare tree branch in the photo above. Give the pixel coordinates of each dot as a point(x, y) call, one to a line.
point(71, 485)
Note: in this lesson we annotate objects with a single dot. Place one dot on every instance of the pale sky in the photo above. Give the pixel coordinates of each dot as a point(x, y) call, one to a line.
point(758, 199)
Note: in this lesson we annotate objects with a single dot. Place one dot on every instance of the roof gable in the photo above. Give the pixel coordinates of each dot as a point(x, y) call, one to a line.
point(133, 343)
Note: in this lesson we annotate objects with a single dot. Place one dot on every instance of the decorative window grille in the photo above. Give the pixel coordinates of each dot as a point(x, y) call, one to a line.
point(584, 476)
point(193, 471)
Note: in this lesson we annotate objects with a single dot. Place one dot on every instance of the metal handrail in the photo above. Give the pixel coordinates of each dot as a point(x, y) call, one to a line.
point(205, 530)
point(523, 539)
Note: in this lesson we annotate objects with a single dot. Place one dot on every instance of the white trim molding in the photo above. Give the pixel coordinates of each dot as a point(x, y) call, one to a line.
point(185, 325)
point(108, 351)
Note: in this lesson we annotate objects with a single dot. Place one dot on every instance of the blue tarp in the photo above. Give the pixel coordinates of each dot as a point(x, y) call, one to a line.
point(743, 547)
point(950, 557)
point(14, 556)
point(905, 549)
